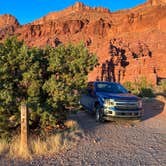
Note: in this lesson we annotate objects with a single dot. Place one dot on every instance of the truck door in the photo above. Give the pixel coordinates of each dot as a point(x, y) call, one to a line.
point(88, 98)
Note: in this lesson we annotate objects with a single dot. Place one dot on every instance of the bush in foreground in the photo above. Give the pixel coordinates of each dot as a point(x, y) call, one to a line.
point(46, 80)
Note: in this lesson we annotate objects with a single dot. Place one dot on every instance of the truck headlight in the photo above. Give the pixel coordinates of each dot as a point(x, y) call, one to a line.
point(139, 104)
point(109, 103)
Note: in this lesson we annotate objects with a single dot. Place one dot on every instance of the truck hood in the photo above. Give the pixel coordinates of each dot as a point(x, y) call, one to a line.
point(121, 96)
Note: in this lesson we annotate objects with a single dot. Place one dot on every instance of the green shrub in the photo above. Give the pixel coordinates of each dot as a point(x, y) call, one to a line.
point(46, 80)
point(141, 87)
point(163, 85)
point(146, 92)
point(129, 86)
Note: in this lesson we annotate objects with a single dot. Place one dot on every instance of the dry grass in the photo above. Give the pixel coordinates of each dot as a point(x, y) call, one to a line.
point(15, 150)
point(51, 145)
point(4, 146)
point(71, 124)
point(161, 98)
point(38, 147)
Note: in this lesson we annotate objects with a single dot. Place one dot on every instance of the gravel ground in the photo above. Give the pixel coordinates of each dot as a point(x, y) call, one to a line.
point(120, 143)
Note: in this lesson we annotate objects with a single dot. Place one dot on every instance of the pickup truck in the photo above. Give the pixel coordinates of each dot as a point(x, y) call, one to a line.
point(110, 100)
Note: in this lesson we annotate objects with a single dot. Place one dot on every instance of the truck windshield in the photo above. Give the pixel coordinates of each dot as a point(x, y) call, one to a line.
point(110, 88)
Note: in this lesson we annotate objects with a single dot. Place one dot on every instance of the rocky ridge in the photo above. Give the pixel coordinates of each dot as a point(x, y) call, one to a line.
point(129, 43)
point(8, 25)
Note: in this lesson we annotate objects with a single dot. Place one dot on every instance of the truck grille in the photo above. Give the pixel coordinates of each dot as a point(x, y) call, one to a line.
point(126, 105)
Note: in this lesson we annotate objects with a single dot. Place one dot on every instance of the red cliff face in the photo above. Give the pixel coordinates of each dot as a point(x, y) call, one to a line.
point(8, 24)
point(8, 20)
point(129, 43)
point(156, 2)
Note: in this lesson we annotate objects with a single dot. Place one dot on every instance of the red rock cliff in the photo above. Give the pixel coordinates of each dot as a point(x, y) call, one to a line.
point(129, 43)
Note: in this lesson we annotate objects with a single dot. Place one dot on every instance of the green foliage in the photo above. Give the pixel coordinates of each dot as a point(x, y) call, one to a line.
point(146, 92)
point(68, 67)
point(140, 87)
point(129, 86)
point(20, 81)
point(47, 80)
point(163, 86)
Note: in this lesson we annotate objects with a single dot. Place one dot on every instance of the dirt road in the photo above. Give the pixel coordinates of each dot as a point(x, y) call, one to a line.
point(121, 143)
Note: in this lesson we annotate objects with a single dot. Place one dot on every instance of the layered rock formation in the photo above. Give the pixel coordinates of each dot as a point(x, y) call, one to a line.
point(8, 25)
point(156, 2)
point(129, 43)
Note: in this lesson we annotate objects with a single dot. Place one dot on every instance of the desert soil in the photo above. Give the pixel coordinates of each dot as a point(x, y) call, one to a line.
point(120, 143)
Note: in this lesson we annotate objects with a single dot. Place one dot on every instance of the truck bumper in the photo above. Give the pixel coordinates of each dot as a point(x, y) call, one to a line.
point(135, 114)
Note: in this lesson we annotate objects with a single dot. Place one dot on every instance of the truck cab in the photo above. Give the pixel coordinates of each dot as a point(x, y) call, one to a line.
point(110, 100)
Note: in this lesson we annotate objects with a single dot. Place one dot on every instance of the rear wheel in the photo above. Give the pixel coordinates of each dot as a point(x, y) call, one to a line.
point(99, 114)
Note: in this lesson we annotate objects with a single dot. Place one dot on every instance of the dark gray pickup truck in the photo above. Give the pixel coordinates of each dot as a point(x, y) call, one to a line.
point(109, 100)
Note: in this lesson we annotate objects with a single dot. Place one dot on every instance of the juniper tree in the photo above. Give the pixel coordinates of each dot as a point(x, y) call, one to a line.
point(68, 67)
point(47, 80)
point(20, 80)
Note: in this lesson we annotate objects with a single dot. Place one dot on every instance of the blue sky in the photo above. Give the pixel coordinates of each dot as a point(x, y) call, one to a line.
point(28, 10)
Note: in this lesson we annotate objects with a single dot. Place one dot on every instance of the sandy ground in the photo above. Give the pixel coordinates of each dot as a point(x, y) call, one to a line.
point(120, 143)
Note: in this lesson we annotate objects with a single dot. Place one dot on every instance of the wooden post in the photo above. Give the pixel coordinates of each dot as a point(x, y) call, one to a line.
point(24, 128)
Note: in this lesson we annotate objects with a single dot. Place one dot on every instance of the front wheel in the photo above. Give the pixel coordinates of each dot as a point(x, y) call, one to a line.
point(99, 114)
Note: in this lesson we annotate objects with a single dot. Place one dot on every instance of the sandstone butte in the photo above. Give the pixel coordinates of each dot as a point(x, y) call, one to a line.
point(129, 43)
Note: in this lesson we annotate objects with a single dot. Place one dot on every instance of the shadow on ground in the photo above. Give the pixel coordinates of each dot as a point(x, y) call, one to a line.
point(152, 108)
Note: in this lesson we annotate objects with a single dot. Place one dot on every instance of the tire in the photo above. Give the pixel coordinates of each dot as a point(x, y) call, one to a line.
point(99, 114)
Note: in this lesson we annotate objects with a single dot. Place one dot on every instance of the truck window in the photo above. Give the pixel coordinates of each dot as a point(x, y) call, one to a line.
point(110, 88)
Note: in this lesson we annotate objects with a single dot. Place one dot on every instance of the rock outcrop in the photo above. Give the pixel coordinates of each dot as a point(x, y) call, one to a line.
point(80, 6)
point(8, 25)
point(7, 20)
point(156, 2)
point(129, 43)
